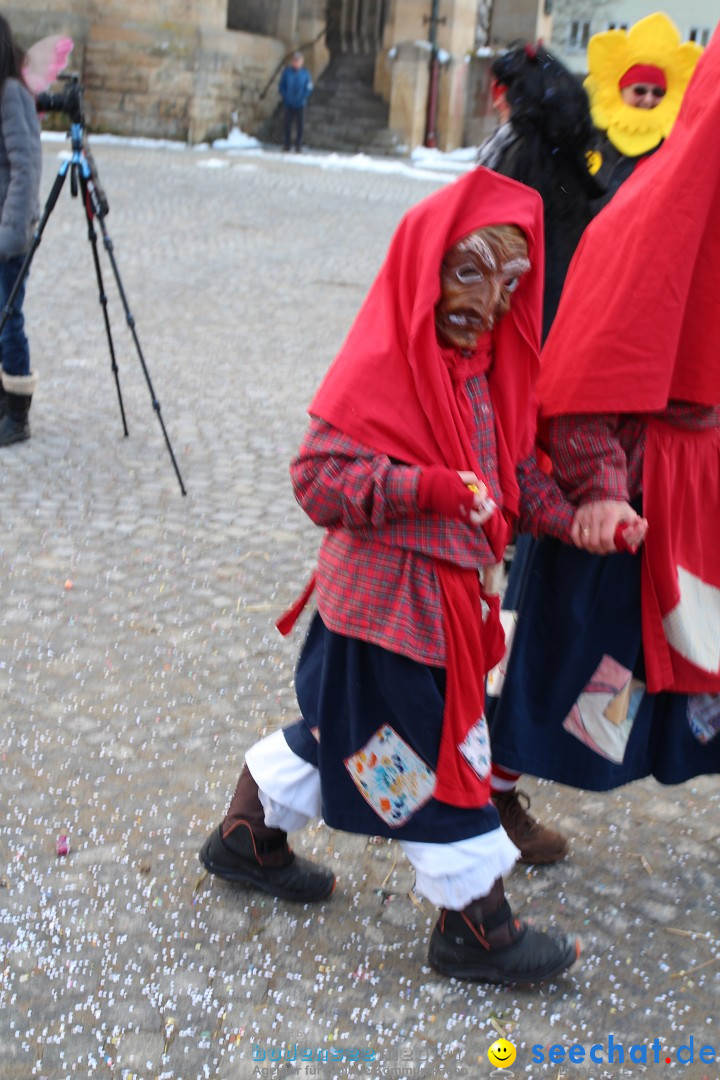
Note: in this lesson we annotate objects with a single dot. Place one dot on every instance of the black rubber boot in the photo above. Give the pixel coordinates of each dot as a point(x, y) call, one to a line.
point(292, 878)
point(17, 395)
point(244, 849)
point(486, 943)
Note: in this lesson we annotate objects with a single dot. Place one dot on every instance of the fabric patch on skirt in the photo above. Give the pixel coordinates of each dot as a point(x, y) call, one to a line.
point(704, 716)
point(496, 676)
point(475, 748)
point(693, 625)
point(603, 715)
point(391, 777)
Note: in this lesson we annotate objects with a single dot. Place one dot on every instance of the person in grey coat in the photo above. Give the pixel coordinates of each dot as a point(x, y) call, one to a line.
point(20, 167)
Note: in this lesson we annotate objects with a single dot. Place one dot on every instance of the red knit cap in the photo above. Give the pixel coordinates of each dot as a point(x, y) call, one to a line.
point(644, 73)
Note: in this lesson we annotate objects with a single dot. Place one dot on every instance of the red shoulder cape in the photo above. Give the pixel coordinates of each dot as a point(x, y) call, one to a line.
point(390, 386)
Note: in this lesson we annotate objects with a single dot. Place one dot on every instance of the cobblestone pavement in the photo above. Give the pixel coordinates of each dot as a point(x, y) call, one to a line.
point(138, 659)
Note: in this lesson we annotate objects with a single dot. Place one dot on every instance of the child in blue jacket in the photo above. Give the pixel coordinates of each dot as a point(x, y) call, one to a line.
point(296, 86)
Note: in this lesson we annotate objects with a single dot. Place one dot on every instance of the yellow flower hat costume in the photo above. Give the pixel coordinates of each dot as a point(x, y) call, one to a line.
point(656, 41)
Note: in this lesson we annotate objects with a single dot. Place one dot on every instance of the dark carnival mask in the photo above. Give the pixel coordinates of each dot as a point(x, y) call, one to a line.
point(478, 277)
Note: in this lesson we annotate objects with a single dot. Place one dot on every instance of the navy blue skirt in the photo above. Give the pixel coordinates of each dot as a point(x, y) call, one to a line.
point(371, 723)
point(573, 707)
point(518, 571)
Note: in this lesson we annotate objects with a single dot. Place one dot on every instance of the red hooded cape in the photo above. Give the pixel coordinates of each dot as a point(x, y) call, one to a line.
point(639, 318)
point(390, 387)
point(638, 326)
point(391, 355)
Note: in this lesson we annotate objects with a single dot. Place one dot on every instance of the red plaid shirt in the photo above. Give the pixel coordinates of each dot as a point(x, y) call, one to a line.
point(601, 457)
point(375, 576)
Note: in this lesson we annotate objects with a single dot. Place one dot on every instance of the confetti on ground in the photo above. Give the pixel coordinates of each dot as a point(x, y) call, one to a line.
point(128, 707)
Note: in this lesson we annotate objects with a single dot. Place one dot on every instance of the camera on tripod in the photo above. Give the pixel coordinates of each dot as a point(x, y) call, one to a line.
point(70, 101)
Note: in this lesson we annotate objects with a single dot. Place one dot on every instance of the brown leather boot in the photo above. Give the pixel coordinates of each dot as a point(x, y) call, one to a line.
point(537, 844)
point(485, 942)
point(245, 809)
point(242, 848)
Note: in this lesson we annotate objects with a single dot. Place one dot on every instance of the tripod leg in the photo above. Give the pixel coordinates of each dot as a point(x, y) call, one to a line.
point(37, 237)
point(108, 245)
point(102, 296)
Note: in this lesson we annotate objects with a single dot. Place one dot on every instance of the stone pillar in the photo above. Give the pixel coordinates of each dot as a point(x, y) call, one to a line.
point(518, 20)
point(456, 37)
point(382, 84)
point(409, 74)
point(480, 117)
point(312, 16)
point(287, 20)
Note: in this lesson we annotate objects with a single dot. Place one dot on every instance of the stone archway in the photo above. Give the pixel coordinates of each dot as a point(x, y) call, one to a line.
point(355, 26)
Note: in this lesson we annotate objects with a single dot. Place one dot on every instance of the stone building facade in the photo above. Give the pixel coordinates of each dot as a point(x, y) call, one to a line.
point(176, 69)
point(182, 69)
point(576, 21)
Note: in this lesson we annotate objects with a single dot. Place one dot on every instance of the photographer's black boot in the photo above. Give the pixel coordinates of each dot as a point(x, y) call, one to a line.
point(18, 391)
point(487, 943)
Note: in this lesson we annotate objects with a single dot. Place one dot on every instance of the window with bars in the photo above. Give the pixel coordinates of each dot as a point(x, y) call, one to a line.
point(700, 34)
point(578, 34)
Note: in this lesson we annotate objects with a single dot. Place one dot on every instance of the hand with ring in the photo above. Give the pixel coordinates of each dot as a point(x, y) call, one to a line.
point(595, 523)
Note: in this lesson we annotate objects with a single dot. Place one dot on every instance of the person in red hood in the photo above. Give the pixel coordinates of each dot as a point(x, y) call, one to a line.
point(420, 441)
point(614, 672)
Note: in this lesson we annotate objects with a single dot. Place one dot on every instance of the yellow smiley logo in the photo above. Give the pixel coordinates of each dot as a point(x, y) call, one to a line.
point(502, 1053)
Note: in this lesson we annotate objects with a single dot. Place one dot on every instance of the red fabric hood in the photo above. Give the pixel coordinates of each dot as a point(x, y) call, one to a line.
point(390, 386)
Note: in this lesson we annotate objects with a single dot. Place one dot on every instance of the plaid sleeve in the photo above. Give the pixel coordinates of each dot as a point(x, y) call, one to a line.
point(544, 510)
point(589, 459)
point(340, 482)
point(689, 414)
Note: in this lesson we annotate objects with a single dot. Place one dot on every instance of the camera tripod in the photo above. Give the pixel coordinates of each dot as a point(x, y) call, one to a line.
point(84, 179)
